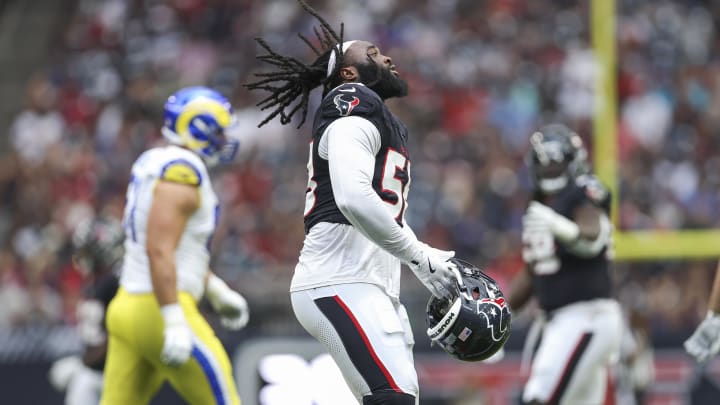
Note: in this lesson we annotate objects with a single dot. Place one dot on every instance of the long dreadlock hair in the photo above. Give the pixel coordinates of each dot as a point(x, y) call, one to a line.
point(293, 78)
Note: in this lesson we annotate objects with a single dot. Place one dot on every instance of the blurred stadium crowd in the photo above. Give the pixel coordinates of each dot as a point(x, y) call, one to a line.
point(482, 76)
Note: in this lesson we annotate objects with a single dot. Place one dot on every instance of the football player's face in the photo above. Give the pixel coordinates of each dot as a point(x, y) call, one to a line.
point(373, 55)
point(551, 170)
point(364, 52)
point(379, 73)
point(549, 158)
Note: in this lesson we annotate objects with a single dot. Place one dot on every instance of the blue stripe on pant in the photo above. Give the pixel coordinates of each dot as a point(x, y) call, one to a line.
point(211, 375)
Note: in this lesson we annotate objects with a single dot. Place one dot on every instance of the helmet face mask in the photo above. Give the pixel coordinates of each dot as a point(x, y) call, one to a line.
point(196, 118)
point(557, 156)
point(475, 323)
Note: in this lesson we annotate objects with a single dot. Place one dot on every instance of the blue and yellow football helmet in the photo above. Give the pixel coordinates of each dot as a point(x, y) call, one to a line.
point(196, 118)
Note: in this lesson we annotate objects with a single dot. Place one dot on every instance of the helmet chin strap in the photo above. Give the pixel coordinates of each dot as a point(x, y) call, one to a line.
point(553, 185)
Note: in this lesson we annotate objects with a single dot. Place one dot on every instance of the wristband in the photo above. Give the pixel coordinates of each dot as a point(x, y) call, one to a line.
point(172, 314)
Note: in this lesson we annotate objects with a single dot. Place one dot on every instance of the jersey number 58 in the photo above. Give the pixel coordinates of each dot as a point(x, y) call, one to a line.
point(394, 184)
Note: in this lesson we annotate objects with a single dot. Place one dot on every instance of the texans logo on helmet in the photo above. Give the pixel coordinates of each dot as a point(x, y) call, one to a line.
point(486, 308)
point(500, 302)
point(345, 106)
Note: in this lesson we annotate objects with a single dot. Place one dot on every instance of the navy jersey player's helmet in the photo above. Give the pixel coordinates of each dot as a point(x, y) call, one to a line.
point(98, 244)
point(557, 156)
point(475, 323)
point(196, 118)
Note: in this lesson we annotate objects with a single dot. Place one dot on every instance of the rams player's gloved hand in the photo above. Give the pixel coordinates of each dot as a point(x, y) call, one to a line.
point(230, 305)
point(177, 343)
point(705, 341)
point(435, 271)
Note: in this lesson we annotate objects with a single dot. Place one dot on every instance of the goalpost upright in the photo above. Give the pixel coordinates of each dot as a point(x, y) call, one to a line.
point(630, 244)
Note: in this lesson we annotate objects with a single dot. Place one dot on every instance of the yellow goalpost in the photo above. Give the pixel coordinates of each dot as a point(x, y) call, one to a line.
point(630, 245)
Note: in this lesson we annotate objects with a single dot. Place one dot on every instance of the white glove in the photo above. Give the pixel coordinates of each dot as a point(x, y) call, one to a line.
point(435, 271)
point(705, 341)
point(230, 305)
point(177, 344)
point(538, 215)
point(534, 223)
point(63, 370)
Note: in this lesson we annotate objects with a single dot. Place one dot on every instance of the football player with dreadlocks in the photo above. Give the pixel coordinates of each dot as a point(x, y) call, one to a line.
point(98, 249)
point(567, 237)
point(345, 290)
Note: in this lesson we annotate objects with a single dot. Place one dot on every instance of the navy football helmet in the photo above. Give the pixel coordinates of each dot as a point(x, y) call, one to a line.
point(98, 244)
point(475, 322)
point(557, 156)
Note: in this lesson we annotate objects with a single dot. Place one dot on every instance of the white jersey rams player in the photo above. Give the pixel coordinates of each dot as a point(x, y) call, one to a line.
point(156, 332)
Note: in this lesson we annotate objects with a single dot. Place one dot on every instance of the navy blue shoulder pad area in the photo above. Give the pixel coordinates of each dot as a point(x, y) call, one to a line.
point(588, 188)
point(351, 99)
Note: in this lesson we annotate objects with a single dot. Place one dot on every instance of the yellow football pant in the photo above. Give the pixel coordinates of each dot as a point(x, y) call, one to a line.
point(133, 370)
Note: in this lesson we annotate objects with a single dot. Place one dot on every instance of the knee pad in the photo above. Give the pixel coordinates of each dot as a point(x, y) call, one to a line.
point(389, 398)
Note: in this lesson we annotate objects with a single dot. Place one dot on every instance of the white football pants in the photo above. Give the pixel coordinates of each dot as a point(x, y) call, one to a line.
point(579, 344)
point(365, 331)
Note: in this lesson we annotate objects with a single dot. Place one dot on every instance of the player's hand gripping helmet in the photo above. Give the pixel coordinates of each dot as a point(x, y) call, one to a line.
point(557, 156)
point(196, 118)
point(98, 244)
point(475, 323)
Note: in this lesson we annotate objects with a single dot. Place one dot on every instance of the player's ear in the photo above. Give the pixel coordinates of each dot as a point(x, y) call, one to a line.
point(349, 74)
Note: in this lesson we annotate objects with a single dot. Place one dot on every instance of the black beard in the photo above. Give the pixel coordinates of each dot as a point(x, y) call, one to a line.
point(382, 81)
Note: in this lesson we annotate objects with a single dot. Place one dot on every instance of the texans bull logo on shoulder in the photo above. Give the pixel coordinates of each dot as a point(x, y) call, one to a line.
point(345, 103)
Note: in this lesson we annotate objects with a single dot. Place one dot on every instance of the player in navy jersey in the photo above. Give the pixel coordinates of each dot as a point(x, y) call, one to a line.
point(705, 341)
point(98, 250)
point(345, 290)
point(566, 246)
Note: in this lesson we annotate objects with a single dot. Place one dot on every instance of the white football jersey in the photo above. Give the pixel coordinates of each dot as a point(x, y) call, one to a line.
point(340, 254)
point(170, 163)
